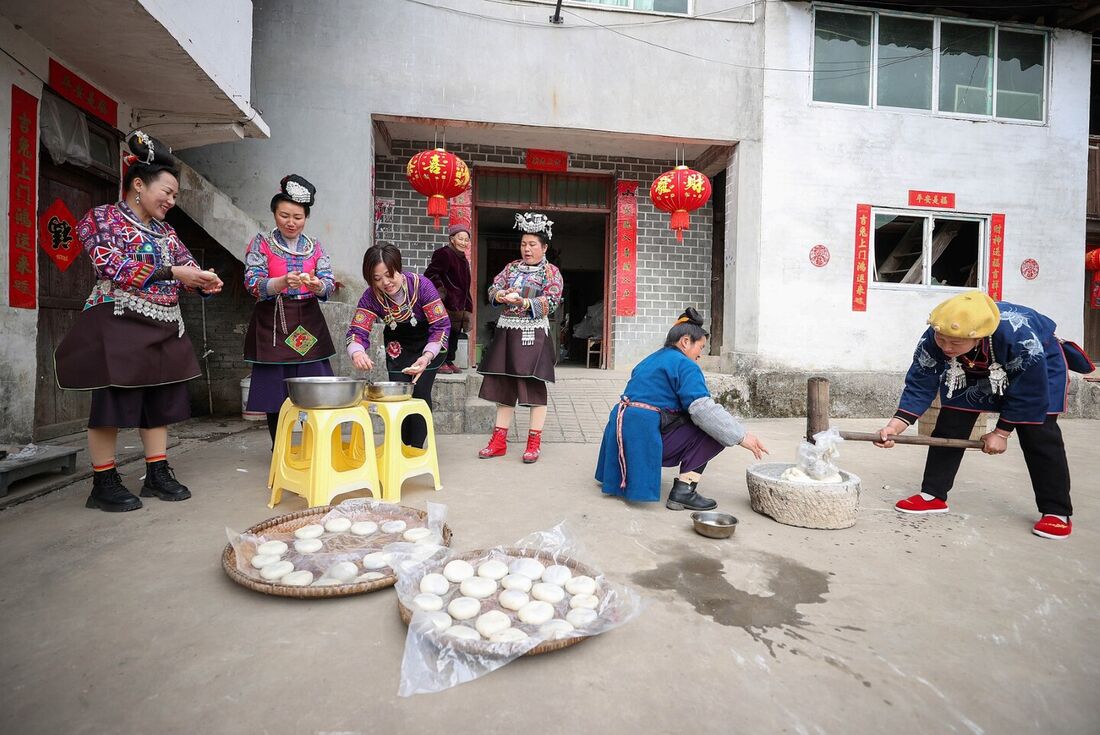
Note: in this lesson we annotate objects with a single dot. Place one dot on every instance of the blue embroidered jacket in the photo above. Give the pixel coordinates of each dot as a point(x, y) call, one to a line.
point(1024, 345)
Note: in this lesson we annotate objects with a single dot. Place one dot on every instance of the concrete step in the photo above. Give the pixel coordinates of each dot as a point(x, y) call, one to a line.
point(480, 416)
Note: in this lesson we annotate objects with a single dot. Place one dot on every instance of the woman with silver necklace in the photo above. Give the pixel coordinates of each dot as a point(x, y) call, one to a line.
point(128, 345)
point(416, 329)
point(288, 273)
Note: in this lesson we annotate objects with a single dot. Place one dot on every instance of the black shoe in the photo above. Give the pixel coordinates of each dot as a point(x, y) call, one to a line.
point(109, 494)
point(161, 481)
point(682, 496)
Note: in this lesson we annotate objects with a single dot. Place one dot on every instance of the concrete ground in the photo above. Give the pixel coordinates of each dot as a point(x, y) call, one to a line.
point(956, 623)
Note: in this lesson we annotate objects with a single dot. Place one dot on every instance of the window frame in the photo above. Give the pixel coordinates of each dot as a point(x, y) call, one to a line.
point(629, 9)
point(930, 216)
point(937, 22)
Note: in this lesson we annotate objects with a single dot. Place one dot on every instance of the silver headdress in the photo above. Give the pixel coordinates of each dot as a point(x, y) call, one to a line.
point(146, 141)
point(534, 222)
point(297, 192)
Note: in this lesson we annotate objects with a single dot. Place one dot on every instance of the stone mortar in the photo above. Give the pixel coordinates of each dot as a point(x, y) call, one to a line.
point(805, 504)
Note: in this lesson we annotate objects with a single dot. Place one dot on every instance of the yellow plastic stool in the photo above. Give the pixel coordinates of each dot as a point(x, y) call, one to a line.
point(323, 465)
point(398, 462)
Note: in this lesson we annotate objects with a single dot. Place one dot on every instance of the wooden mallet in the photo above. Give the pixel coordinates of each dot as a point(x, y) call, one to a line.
point(817, 420)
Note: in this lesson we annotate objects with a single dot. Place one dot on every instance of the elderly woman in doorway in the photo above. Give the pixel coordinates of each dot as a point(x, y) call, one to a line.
point(449, 272)
point(128, 345)
point(289, 273)
point(666, 417)
point(416, 329)
point(520, 359)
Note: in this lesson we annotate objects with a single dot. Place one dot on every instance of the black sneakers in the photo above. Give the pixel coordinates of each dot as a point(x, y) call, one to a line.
point(682, 496)
point(110, 495)
point(161, 481)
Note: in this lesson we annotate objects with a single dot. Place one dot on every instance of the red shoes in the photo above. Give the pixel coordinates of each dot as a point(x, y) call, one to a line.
point(917, 504)
point(498, 444)
point(534, 442)
point(1052, 527)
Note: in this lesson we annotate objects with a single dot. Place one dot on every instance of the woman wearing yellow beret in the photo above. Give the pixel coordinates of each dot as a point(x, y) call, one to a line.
point(995, 357)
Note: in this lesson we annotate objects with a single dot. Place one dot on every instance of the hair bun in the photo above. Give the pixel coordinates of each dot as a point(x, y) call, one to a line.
point(151, 151)
point(690, 316)
point(296, 189)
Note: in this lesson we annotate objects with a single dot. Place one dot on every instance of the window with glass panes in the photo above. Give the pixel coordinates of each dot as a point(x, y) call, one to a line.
point(915, 248)
point(656, 6)
point(940, 65)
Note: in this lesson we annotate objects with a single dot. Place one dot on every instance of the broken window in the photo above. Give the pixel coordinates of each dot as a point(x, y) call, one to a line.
point(928, 250)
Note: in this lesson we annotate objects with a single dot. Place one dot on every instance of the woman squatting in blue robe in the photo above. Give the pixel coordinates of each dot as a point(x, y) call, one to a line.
point(994, 357)
point(666, 417)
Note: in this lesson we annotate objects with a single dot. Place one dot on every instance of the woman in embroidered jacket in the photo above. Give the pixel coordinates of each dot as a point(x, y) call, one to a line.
point(996, 357)
point(415, 332)
point(666, 417)
point(520, 359)
point(128, 346)
point(288, 273)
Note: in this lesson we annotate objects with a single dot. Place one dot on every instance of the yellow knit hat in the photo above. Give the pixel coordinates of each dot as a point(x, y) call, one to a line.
point(970, 315)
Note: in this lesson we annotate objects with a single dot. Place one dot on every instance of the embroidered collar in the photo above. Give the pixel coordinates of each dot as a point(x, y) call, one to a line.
point(304, 247)
point(155, 229)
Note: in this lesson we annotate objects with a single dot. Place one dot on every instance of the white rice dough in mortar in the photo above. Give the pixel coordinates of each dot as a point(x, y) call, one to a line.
point(464, 608)
point(313, 530)
point(276, 548)
point(516, 582)
point(479, 587)
point(458, 570)
point(795, 474)
point(435, 583)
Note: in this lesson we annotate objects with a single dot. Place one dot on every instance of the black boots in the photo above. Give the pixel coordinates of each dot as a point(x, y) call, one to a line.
point(682, 496)
point(109, 494)
point(161, 481)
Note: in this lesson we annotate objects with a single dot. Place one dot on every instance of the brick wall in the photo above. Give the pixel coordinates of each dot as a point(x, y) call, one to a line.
point(671, 275)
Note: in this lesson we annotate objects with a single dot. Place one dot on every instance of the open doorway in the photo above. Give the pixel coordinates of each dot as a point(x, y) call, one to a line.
point(579, 249)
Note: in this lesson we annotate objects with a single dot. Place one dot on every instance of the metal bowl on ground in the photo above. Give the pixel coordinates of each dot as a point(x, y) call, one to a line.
point(713, 524)
point(325, 392)
point(389, 390)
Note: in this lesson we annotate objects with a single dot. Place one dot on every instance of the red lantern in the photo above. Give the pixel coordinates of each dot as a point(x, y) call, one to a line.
point(680, 191)
point(438, 175)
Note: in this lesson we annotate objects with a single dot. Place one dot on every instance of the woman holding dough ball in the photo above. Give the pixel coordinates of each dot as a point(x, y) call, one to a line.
point(666, 417)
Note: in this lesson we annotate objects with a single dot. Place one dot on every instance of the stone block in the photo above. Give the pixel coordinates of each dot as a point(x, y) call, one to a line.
point(826, 505)
point(480, 416)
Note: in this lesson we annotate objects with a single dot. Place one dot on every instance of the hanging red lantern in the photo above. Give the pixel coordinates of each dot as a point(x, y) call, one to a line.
point(438, 175)
point(679, 192)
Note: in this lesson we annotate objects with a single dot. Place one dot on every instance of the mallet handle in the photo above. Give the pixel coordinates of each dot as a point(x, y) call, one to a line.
point(924, 441)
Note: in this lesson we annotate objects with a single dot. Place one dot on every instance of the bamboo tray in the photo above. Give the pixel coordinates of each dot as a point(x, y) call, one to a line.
point(288, 524)
point(480, 647)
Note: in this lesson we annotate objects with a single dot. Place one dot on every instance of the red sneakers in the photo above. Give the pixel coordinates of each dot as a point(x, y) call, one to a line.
point(1051, 527)
point(917, 504)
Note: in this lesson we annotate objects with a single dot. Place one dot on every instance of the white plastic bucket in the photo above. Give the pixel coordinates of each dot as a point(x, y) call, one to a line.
point(247, 415)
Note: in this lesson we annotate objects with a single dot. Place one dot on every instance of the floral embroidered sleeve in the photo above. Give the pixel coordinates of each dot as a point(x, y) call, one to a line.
point(110, 261)
point(324, 272)
point(922, 382)
point(499, 284)
point(366, 314)
point(439, 324)
point(255, 270)
point(547, 303)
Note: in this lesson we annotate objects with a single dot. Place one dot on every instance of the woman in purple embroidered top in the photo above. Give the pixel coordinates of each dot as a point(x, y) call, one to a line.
point(288, 273)
point(415, 332)
point(128, 346)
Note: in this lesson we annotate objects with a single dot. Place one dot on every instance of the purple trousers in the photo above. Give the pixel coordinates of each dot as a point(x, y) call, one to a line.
point(690, 447)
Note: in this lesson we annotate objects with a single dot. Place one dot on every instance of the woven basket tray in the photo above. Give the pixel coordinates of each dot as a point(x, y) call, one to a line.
point(288, 524)
point(474, 647)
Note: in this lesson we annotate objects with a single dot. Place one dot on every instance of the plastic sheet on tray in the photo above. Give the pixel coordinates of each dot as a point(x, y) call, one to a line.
point(346, 546)
point(434, 661)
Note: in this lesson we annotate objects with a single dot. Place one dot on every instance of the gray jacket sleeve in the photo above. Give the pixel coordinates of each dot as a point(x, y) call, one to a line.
point(716, 421)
